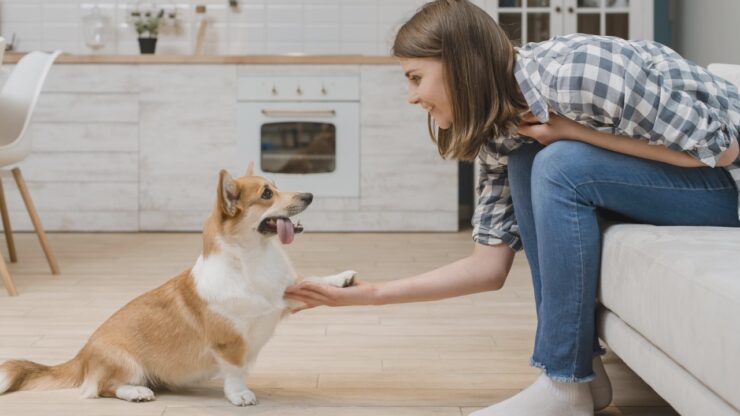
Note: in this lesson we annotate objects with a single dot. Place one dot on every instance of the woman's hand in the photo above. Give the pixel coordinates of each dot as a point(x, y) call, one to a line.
point(316, 294)
point(558, 127)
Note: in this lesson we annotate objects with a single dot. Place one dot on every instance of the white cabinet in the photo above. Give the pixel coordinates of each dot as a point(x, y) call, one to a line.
point(537, 20)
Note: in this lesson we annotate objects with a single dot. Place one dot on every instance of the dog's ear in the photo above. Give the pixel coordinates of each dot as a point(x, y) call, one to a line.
point(228, 194)
point(250, 168)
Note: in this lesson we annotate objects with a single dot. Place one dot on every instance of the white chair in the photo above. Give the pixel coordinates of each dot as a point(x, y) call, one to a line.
point(17, 101)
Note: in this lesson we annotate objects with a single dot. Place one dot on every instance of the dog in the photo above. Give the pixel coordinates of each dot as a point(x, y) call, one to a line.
point(211, 320)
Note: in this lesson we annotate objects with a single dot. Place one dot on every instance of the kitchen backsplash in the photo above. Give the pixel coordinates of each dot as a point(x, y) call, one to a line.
point(255, 27)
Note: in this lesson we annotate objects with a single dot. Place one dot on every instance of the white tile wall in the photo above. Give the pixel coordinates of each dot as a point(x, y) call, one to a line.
point(256, 27)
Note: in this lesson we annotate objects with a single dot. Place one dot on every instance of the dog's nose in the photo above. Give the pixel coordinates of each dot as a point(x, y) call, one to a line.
point(306, 197)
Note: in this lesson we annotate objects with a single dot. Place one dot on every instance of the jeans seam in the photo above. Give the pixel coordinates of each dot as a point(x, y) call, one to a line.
point(653, 186)
point(580, 298)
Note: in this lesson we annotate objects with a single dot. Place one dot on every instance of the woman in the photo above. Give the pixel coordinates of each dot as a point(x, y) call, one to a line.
point(565, 130)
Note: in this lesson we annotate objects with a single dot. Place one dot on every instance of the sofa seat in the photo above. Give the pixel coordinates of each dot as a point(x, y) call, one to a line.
point(677, 288)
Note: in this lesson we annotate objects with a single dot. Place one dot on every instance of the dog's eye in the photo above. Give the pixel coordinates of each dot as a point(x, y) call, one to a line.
point(267, 193)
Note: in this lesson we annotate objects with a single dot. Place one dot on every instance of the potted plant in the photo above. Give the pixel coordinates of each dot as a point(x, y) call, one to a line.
point(147, 24)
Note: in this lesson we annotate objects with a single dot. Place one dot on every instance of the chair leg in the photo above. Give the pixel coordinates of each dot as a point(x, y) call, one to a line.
point(6, 225)
point(7, 280)
point(36, 221)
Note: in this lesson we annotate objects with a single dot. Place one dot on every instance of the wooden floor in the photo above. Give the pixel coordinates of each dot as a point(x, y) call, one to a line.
point(443, 358)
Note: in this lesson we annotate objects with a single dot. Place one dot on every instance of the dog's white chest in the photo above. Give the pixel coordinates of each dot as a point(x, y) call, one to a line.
point(245, 287)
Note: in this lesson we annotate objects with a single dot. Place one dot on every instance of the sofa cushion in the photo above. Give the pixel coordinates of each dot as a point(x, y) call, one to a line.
point(679, 287)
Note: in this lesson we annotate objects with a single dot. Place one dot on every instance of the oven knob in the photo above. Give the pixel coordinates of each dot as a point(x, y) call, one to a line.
point(274, 90)
point(299, 91)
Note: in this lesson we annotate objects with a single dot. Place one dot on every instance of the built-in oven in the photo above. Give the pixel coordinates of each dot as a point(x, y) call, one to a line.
point(302, 132)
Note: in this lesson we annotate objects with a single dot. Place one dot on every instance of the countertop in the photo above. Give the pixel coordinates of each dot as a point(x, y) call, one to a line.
point(13, 57)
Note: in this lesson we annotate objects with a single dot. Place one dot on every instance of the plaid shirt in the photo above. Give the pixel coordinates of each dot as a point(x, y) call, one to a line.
point(640, 89)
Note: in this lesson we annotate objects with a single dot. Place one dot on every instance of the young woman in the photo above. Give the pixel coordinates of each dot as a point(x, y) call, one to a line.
point(564, 130)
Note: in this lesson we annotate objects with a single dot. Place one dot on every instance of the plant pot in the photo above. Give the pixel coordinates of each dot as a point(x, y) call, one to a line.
point(147, 45)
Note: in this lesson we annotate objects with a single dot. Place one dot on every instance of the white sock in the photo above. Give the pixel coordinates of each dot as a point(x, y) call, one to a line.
point(601, 387)
point(545, 397)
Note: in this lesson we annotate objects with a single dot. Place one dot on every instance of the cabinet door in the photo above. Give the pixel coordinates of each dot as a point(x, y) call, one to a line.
point(627, 19)
point(536, 20)
point(527, 20)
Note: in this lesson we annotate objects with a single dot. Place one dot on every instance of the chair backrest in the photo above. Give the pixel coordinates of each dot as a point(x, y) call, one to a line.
point(727, 71)
point(20, 93)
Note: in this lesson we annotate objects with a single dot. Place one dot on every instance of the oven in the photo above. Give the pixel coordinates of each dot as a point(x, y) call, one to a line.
point(302, 132)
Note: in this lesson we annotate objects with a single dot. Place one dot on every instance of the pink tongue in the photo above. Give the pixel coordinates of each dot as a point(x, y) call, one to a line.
point(285, 230)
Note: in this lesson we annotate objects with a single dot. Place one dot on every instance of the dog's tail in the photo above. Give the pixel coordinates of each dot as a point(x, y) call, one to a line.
point(27, 375)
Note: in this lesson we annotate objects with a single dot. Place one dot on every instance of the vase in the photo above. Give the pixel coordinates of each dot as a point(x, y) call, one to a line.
point(147, 45)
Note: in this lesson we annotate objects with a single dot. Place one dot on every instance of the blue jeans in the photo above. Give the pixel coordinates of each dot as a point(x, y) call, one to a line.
point(559, 193)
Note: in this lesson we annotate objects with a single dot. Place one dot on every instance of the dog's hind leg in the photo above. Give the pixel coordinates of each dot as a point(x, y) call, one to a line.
point(116, 374)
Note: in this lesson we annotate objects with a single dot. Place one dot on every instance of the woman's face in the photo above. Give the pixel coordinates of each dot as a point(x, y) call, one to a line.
point(427, 88)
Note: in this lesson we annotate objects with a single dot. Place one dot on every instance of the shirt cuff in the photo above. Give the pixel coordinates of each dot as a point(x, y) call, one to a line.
point(494, 237)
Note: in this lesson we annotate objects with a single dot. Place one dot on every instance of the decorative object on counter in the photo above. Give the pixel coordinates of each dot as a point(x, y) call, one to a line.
point(201, 22)
point(9, 46)
point(95, 28)
point(147, 22)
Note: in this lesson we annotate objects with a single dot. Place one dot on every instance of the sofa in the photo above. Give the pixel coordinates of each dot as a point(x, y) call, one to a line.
point(670, 307)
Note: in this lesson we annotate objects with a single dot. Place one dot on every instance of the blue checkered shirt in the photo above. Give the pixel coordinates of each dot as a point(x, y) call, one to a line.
point(640, 89)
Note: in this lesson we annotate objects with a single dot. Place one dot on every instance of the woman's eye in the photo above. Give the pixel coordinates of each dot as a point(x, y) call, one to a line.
point(267, 194)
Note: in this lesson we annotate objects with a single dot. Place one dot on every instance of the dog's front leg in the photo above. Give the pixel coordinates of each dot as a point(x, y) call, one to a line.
point(235, 389)
point(343, 279)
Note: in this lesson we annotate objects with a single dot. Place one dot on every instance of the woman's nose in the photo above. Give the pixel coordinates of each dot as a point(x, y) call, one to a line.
point(413, 97)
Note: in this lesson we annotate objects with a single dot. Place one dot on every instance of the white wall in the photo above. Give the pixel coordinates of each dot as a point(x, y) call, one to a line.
point(706, 31)
point(259, 26)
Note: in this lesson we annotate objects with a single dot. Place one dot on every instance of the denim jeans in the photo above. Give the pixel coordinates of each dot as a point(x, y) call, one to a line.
point(559, 192)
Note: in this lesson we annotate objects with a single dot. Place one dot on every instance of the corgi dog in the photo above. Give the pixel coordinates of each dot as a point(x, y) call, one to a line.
point(211, 320)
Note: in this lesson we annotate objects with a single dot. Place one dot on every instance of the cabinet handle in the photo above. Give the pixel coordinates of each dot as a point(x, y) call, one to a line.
point(299, 113)
point(274, 90)
point(570, 10)
point(299, 91)
point(558, 9)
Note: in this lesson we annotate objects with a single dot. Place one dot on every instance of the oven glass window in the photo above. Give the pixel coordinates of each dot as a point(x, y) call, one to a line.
point(298, 147)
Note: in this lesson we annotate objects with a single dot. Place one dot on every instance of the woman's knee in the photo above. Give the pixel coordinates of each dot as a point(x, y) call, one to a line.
point(563, 163)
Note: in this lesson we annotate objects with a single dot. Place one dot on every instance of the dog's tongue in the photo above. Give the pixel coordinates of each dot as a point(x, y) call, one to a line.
point(285, 230)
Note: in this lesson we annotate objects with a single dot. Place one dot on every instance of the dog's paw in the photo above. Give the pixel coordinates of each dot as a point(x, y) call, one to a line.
point(242, 398)
point(343, 279)
point(349, 278)
point(134, 393)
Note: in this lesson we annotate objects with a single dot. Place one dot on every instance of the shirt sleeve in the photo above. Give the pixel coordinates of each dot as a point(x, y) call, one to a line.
point(494, 221)
point(666, 101)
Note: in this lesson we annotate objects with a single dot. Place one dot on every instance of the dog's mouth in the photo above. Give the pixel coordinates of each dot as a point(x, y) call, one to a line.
point(282, 226)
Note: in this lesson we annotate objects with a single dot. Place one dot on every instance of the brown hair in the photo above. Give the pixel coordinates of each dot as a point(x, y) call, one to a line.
point(478, 61)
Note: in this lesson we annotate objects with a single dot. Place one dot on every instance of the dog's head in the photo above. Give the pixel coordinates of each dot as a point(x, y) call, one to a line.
point(252, 205)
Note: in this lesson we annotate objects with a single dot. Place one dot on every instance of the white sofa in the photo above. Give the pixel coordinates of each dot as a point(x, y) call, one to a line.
point(670, 309)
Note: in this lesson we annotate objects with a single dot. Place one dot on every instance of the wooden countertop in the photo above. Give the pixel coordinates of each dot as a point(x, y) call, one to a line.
point(13, 57)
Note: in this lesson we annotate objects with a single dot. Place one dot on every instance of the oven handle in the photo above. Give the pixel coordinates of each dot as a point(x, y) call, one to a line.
point(294, 113)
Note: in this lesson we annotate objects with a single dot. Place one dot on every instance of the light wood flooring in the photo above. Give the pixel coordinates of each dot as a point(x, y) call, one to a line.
point(439, 358)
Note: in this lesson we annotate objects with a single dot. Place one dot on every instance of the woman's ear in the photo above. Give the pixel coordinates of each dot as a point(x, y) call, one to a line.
point(228, 194)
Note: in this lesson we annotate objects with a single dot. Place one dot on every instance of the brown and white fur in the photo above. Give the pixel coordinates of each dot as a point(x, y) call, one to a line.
point(211, 320)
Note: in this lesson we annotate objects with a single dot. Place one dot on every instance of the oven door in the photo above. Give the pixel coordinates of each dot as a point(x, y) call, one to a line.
point(303, 146)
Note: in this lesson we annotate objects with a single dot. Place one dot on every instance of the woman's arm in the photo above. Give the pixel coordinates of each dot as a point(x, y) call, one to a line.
point(485, 269)
point(562, 128)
